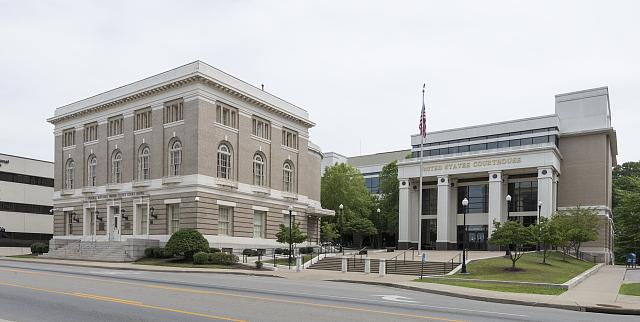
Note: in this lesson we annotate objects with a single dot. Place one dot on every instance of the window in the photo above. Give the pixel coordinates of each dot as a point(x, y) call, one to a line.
point(25, 207)
point(524, 196)
point(478, 147)
point(259, 170)
point(115, 125)
point(116, 167)
point(68, 218)
point(478, 197)
point(143, 119)
point(173, 111)
point(224, 161)
point(429, 201)
point(526, 141)
point(503, 144)
point(69, 173)
point(91, 132)
point(287, 176)
point(261, 128)
point(289, 138)
point(92, 171)
point(372, 184)
point(540, 139)
point(175, 159)
point(463, 148)
point(259, 223)
point(515, 142)
point(173, 217)
point(225, 221)
point(68, 138)
point(143, 164)
point(227, 116)
point(492, 145)
point(26, 179)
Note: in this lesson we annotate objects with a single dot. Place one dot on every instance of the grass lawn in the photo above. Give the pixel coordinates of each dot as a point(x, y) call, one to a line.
point(630, 289)
point(498, 287)
point(530, 269)
point(285, 261)
point(184, 263)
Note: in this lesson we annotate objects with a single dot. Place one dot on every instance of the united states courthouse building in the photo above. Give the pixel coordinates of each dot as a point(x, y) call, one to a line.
point(192, 147)
point(543, 163)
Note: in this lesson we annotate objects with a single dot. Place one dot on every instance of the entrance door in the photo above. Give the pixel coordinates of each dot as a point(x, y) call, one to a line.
point(115, 229)
point(477, 240)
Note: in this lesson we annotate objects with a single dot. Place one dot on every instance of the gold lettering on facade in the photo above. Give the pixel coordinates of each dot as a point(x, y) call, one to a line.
point(472, 164)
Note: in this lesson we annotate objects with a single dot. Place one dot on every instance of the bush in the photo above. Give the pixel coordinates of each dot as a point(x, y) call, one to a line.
point(158, 252)
point(214, 250)
point(250, 252)
point(286, 252)
point(306, 250)
point(186, 242)
point(223, 258)
point(278, 251)
point(259, 264)
point(39, 248)
point(200, 258)
point(148, 252)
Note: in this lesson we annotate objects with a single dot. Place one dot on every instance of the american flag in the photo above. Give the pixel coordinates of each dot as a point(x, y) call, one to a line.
point(423, 118)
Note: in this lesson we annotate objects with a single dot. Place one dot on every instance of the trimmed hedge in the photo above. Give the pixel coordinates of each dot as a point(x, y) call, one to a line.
point(156, 252)
point(201, 258)
point(39, 248)
point(223, 258)
point(259, 264)
point(186, 242)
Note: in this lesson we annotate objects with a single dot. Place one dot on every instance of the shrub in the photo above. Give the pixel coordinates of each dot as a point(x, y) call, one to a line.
point(149, 252)
point(186, 242)
point(278, 251)
point(306, 250)
point(250, 252)
point(286, 252)
point(259, 264)
point(214, 250)
point(223, 258)
point(159, 252)
point(39, 248)
point(200, 258)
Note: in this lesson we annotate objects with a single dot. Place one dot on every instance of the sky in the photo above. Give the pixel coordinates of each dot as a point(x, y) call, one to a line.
point(357, 67)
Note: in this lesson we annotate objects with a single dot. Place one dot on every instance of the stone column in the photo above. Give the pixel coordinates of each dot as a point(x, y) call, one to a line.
point(546, 191)
point(443, 238)
point(403, 216)
point(496, 203)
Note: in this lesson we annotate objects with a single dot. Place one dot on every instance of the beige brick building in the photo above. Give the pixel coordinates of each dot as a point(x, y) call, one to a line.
point(192, 147)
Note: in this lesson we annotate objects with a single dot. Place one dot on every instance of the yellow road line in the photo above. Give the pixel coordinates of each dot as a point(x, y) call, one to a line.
point(194, 291)
point(121, 301)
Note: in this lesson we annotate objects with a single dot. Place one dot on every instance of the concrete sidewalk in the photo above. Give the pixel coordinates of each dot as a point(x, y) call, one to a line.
point(597, 293)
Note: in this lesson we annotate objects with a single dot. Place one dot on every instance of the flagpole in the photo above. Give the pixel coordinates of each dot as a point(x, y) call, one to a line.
point(424, 130)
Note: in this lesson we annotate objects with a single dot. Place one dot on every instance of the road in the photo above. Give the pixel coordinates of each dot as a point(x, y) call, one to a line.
point(42, 292)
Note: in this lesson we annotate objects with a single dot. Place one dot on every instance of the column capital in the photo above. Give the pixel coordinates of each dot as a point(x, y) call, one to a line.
point(495, 176)
point(545, 172)
point(404, 183)
point(443, 180)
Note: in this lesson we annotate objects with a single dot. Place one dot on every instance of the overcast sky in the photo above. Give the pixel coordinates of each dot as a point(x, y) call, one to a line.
point(356, 66)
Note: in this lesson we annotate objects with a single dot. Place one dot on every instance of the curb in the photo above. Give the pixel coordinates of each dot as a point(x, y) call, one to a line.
point(139, 268)
point(593, 309)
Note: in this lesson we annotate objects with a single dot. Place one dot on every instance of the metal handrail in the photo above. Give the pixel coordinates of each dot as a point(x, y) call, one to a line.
point(404, 257)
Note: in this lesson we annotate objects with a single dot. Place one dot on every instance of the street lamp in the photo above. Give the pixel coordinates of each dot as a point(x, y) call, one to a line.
point(379, 239)
point(340, 225)
point(508, 198)
point(290, 228)
point(465, 203)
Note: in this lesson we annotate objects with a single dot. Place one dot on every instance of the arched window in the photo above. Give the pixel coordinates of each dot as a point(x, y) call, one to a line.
point(116, 167)
point(143, 164)
point(287, 176)
point(70, 171)
point(259, 168)
point(224, 161)
point(92, 171)
point(175, 158)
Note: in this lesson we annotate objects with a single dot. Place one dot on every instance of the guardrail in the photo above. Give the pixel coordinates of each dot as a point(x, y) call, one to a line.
point(404, 257)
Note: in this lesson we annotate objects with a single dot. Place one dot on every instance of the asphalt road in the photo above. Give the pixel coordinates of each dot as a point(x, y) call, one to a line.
point(41, 292)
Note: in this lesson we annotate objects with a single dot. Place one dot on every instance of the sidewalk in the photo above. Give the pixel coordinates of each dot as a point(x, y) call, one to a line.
point(597, 293)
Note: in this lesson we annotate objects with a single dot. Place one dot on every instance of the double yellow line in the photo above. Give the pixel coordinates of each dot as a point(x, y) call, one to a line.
point(195, 291)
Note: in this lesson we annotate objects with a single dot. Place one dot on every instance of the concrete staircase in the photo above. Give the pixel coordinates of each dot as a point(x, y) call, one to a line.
point(392, 267)
point(108, 251)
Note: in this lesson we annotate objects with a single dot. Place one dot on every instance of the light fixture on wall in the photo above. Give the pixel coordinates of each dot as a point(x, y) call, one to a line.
point(152, 215)
point(98, 218)
point(74, 217)
point(122, 214)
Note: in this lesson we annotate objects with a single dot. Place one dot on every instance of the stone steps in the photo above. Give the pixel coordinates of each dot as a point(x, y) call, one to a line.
point(392, 267)
point(115, 251)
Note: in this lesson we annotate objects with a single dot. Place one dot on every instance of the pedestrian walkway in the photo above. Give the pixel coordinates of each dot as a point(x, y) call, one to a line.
point(600, 288)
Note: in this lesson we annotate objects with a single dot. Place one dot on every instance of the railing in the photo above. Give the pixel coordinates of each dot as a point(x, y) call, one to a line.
point(586, 257)
point(276, 254)
point(452, 262)
point(360, 252)
point(404, 257)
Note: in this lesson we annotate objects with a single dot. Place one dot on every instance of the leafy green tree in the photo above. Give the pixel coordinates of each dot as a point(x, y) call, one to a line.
point(387, 221)
point(546, 235)
point(561, 224)
point(328, 232)
point(296, 234)
point(584, 225)
point(361, 226)
point(515, 234)
point(344, 184)
point(626, 208)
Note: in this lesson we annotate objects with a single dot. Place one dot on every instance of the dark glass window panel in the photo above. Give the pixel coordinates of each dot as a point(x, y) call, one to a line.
point(514, 142)
point(26, 179)
point(430, 201)
point(478, 147)
point(492, 145)
point(453, 149)
point(415, 154)
point(526, 141)
point(524, 196)
point(540, 130)
point(434, 152)
point(503, 135)
point(478, 197)
point(540, 139)
point(25, 208)
point(463, 148)
point(503, 144)
point(444, 151)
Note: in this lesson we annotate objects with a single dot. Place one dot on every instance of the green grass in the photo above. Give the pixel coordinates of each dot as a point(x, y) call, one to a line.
point(498, 287)
point(285, 261)
point(184, 263)
point(530, 269)
point(630, 289)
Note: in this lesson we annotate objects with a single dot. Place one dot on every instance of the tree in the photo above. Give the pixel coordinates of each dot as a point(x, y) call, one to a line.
point(547, 236)
point(186, 242)
point(515, 234)
point(561, 224)
point(387, 221)
point(296, 235)
point(626, 208)
point(361, 226)
point(583, 226)
point(328, 232)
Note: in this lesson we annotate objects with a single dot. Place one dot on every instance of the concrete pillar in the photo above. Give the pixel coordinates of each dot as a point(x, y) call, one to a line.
point(298, 264)
point(496, 204)
point(546, 191)
point(383, 268)
point(403, 218)
point(367, 265)
point(443, 238)
point(344, 264)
